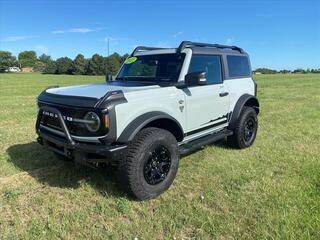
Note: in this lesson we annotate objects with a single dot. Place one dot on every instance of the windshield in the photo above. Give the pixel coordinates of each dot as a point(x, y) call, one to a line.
point(152, 68)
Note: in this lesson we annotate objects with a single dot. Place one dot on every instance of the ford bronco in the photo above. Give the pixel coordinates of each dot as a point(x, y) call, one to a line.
point(163, 103)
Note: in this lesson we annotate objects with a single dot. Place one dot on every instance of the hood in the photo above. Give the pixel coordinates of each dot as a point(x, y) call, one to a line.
point(90, 96)
point(97, 91)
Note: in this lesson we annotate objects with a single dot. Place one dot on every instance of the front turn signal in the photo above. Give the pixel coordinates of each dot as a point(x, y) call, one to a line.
point(106, 121)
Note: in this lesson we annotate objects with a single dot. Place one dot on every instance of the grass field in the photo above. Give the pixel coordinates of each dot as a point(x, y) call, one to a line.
point(269, 191)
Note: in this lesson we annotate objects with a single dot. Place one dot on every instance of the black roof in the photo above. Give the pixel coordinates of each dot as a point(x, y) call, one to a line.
point(197, 45)
point(187, 44)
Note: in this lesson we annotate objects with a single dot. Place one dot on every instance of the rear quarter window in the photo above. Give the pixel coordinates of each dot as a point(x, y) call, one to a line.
point(238, 66)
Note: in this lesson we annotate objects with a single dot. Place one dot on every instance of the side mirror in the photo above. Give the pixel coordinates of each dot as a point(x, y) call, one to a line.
point(108, 76)
point(195, 79)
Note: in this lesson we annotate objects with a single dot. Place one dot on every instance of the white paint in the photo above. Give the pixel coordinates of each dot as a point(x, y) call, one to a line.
point(193, 107)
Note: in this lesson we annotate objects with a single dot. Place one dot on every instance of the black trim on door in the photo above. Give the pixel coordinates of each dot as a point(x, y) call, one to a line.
point(205, 128)
point(213, 120)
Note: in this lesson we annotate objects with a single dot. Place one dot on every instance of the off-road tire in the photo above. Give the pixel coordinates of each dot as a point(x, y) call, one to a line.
point(131, 172)
point(238, 139)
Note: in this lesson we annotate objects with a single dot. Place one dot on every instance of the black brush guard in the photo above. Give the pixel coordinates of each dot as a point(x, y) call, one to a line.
point(81, 152)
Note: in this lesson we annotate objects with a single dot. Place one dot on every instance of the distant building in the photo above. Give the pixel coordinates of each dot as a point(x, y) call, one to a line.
point(27, 69)
point(13, 69)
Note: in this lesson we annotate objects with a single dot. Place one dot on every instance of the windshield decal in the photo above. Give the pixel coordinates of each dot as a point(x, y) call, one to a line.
point(130, 60)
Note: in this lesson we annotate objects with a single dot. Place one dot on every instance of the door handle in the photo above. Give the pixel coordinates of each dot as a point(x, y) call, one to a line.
point(223, 94)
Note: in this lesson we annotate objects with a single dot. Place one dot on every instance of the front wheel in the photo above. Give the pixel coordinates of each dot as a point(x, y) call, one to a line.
point(150, 165)
point(245, 130)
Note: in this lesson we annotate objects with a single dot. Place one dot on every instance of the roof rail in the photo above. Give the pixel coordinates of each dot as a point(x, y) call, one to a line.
point(186, 44)
point(143, 48)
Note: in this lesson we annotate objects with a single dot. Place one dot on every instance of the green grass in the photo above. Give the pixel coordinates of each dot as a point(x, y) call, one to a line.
point(269, 191)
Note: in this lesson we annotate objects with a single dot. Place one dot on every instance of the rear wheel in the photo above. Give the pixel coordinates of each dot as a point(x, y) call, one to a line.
point(150, 165)
point(245, 130)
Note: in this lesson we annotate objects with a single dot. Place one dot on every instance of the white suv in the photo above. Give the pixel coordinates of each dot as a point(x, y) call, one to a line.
point(163, 103)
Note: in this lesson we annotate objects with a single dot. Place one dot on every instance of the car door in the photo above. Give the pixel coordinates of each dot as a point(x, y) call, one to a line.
point(207, 106)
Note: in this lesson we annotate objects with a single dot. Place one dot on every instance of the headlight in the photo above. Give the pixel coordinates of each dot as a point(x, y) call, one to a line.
point(92, 121)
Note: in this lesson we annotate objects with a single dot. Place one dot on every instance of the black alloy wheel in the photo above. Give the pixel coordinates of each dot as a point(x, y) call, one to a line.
point(245, 129)
point(157, 167)
point(249, 129)
point(150, 164)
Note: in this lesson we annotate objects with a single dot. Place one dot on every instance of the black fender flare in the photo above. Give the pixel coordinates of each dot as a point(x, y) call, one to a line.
point(140, 122)
point(242, 101)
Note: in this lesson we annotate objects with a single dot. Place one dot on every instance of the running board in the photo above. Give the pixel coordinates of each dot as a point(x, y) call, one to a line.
point(194, 145)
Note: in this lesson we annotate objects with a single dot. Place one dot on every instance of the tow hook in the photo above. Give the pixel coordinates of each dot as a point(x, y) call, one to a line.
point(68, 152)
point(40, 140)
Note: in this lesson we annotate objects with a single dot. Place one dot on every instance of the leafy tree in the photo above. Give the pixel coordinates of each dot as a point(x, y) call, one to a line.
point(27, 58)
point(39, 66)
point(123, 58)
point(64, 65)
point(79, 65)
point(284, 71)
point(6, 60)
point(299, 70)
point(265, 71)
point(113, 63)
point(44, 58)
point(51, 67)
point(96, 65)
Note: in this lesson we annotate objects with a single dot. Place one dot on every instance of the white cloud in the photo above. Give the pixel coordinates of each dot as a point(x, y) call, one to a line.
point(177, 34)
point(42, 49)
point(16, 38)
point(77, 30)
point(82, 30)
point(58, 31)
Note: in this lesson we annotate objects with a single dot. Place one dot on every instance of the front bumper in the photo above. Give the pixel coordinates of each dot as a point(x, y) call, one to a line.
point(83, 153)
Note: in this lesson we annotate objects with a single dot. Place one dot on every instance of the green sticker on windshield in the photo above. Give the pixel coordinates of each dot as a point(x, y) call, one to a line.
point(130, 60)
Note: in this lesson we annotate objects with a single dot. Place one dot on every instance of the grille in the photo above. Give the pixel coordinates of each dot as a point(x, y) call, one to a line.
point(75, 128)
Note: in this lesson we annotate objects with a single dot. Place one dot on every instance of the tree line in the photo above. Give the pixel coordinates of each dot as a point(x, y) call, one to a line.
point(96, 65)
point(298, 70)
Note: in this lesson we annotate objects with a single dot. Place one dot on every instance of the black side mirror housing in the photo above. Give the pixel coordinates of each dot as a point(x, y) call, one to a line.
point(108, 76)
point(195, 79)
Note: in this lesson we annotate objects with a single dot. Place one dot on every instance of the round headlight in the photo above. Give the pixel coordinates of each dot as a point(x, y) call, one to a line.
point(92, 121)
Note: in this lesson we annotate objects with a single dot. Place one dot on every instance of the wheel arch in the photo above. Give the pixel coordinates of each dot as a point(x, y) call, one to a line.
point(152, 119)
point(245, 100)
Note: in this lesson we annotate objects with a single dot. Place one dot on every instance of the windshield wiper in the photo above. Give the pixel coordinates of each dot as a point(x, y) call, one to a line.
point(157, 80)
point(163, 79)
point(122, 78)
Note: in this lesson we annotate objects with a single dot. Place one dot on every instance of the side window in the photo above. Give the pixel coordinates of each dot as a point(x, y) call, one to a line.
point(211, 64)
point(238, 66)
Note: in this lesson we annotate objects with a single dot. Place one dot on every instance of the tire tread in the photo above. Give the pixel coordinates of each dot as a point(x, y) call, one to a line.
point(235, 140)
point(127, 166)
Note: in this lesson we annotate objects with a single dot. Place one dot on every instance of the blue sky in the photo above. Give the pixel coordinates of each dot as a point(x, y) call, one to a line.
point(276, 34)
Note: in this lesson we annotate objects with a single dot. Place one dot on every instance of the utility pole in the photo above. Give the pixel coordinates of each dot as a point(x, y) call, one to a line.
point(108, 73)
point(108, 47)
